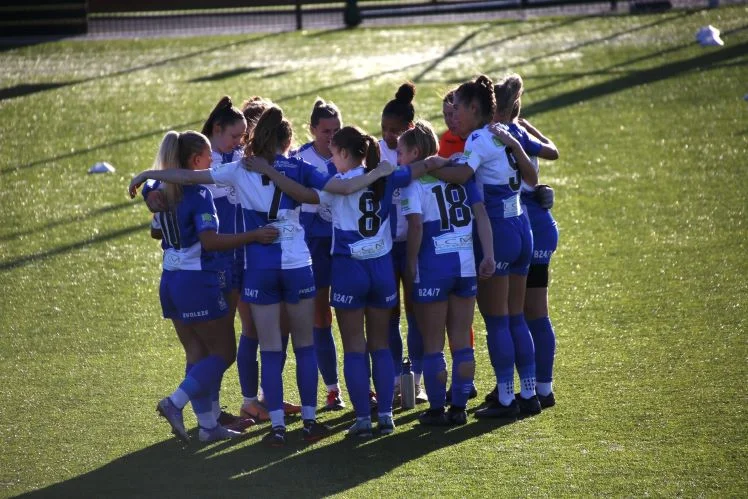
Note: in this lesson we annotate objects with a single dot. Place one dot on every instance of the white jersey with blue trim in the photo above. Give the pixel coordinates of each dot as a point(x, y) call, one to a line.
point(181, 228)
point(263, 204)
point(399, 223)
point(496, 173)
point(361, 228)
point(316, 218)
point(447, 244)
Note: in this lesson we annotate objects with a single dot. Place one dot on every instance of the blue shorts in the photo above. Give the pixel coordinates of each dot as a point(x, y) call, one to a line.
point(363, 283)
point(320, 247)
point(512, 245)
point(237, 273)
point(435, 290)
point(269, 286)
point(400, 256)
point(544, 231)
point(192, 296)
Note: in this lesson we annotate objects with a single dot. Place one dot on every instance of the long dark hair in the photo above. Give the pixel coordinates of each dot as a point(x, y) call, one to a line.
point(364, 148)
point(272, 132)
point(479, 91)
point(223, 115)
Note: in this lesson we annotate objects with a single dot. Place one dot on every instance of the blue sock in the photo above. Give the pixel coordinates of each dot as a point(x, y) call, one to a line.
point(545, 348)
point(501, 351)
point(415, 344)
point(203, 408)
point(284, 344)
point(187, 368)
point(246, 364)
point(384, 379)
point(461, 386)
point(524, 348)
point(396, 344)
point(203, 376)
point(357, 381)
point(433, 364)
point(272, 379)
point(327, 357)
point(306, 376)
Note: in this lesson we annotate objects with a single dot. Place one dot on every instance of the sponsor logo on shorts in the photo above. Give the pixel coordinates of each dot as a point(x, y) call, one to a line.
point(542, 253)
point(251, 293)
point(425, 292)
point(390, 298)
point(222, 305)
point(194, 315)
point(341, 298)
point(502, 265)
point(306, 291)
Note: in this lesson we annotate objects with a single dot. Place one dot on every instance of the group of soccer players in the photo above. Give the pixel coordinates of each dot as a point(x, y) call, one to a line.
point(344, 221)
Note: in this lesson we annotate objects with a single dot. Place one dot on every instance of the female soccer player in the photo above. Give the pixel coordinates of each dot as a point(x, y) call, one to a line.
point(397, 117)
point(190, 289)
point(442, 268)
point(450, 144)
point(280, 272)
point(499, 164)
point(324, 122)
point(544, 231)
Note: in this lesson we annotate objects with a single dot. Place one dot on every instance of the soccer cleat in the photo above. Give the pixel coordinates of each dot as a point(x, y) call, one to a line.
point(334, 402)
point(289, 409)
point(385, 425)
point(235, 423)
point(216, 433)
point(433, 417)
point(547, 401)
point(528, 407)
point(493, 395)
point(361, 428)
point(494, 410)
point(421, 397)
point(457, 416)
point(373, 403)
point(314, 430)
point(173, 415)
point(254, 410)
point(276, 437)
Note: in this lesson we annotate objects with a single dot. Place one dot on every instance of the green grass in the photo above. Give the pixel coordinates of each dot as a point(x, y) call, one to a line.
point(648, 291)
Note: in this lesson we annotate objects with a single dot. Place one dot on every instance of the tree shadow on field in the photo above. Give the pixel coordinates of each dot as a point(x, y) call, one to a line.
point(24, 89)
point(230, 73)
point(246, 465)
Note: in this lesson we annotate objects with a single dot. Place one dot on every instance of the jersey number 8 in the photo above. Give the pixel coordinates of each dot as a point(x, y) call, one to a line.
point(369, 223)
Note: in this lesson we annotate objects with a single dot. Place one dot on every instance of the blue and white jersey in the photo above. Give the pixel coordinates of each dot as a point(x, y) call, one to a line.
point(496, 173)
point(361, 224)
point(264, 204)
point(530, 144)
point(398, 222)
point(316, 218)
point(181, 228)
point(447, 245)
point(227, 206)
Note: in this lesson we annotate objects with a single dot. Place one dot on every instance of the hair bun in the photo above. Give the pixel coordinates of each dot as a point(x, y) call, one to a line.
point(319, 103)
point(406, 92)
point(484, 81)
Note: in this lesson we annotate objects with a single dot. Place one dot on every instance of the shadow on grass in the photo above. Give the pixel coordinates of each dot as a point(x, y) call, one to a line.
point(222, 75)
point(31, 88)
point(240, 467)
point(14, 263)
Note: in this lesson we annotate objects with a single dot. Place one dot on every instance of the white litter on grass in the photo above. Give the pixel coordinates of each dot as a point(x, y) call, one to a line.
point(101, 167)
point(708, 36)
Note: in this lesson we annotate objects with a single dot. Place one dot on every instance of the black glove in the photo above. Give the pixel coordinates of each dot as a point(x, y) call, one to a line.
point(544, 196)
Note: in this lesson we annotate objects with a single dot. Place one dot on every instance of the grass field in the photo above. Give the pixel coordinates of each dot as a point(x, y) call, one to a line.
point(648, 291)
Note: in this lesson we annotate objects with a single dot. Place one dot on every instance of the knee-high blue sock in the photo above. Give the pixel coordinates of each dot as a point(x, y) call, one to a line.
point(284, 343)
point(461, 385)
point(545, 348)
point(436, 389)
point(384, 379)
point(306, 380)
point(396, 345)
point(415, 344)
point(327, 357)
point(501, 350)
point(357, 381)
point(524, 354)
point(187, 368)
point(246, 364)
point(272, 380)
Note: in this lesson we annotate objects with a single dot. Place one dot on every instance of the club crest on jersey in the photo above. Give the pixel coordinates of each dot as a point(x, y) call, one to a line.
point(497, 142)
point(466, 153)
point(451, 242)
point(206, 217)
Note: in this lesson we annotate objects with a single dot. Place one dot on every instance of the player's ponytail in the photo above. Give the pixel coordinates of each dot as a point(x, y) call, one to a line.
point(176, 151)
point(323, 110)
point(481, 93)
point(252, 109)
point(372, 159)
point(223, 115)
point(364, 149)
point(423, 137)
point(272, 133)
point(401, 107)
point(509, 96)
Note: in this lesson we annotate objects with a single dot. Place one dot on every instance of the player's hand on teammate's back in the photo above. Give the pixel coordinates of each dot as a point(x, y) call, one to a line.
point(435, 162)
point(267, 234)
point(385, 168)
point(256, 164)
point(135, 183)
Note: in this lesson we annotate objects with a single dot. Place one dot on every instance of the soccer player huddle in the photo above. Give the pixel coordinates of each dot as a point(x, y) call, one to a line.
point(346, 221)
